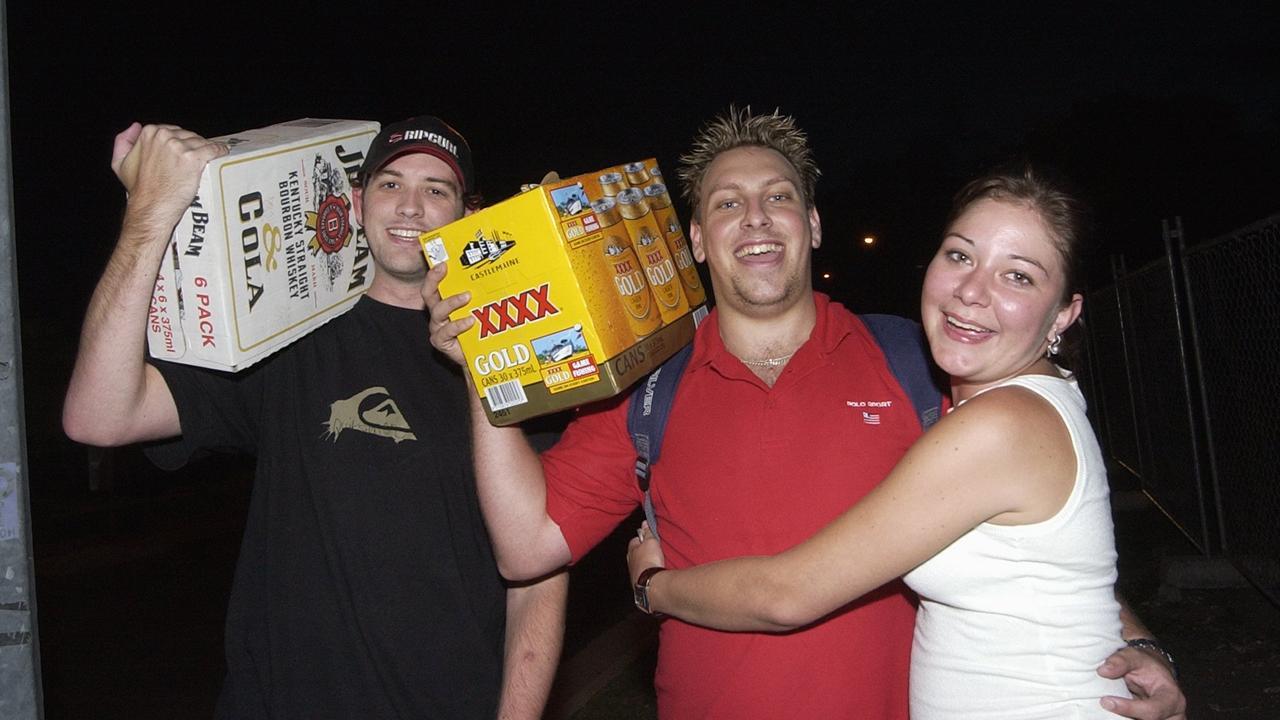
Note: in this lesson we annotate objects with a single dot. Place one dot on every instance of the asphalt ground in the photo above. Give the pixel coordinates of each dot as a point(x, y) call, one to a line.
point(131, 587)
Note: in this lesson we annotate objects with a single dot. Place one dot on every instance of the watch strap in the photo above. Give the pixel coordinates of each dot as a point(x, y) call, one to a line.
point(642, 589)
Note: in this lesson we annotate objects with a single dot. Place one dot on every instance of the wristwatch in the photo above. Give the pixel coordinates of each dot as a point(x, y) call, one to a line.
point(642, 589)
point(1140, 643)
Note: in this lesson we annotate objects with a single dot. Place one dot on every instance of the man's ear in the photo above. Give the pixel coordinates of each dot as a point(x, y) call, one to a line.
point(815, 228)
point(357, 204)
point(695, 238)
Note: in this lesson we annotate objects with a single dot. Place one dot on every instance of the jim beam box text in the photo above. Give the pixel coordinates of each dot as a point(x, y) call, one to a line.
point(574, 289)
point(269, 249)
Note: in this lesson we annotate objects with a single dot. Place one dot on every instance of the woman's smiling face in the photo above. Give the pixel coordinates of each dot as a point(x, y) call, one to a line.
point(992, 297)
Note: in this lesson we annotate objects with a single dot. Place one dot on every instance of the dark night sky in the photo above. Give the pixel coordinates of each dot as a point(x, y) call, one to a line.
point(1156, 109)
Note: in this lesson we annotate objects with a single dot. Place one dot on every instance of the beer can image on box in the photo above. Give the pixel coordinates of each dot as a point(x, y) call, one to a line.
point(637, 175)
point(268, 250)
point(625, 270)
point(655, 256)
point(611, 183)
point(660, 204)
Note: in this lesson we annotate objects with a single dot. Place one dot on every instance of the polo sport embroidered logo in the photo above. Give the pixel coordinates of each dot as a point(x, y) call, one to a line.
point(514, 311)
point(870, 417)
point(369, 411)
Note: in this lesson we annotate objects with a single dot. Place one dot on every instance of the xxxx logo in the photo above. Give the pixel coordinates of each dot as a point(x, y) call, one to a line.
point(514, 311)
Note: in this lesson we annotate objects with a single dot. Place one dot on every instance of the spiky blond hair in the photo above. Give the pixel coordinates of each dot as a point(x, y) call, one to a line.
point(738, 128)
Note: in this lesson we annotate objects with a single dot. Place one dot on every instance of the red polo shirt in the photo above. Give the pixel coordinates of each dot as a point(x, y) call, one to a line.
point(747, 469)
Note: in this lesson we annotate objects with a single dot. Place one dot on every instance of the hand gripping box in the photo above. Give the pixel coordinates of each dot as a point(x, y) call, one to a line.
point(575, 291)
point(269, 248)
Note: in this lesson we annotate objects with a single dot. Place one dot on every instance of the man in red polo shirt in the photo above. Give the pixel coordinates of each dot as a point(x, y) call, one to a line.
point(750, 464)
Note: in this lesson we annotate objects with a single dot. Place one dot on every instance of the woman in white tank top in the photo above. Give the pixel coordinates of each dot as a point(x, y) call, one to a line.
point(998, 517)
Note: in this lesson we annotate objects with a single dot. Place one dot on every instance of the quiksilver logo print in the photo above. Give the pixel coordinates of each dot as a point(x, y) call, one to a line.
point(369, 411)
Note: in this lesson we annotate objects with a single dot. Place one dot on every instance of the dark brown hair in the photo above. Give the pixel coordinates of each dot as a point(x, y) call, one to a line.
point(1049, 195)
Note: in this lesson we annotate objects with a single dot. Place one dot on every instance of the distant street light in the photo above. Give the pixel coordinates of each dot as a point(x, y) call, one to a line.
point(826, 276)
point(868, 240)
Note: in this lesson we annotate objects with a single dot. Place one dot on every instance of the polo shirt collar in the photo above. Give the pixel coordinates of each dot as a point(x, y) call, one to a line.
point(828, 332)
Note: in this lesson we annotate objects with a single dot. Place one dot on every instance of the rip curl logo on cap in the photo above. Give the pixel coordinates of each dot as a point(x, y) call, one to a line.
point(425, 135)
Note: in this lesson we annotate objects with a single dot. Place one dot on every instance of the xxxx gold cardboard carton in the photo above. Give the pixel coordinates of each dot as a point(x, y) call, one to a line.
point(575, 293)
point(269, 248)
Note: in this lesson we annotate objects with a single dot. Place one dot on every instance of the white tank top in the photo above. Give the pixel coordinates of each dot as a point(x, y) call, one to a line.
point(1014, 620)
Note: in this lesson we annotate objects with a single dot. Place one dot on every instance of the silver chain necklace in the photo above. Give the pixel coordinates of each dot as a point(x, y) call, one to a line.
point(772, 362)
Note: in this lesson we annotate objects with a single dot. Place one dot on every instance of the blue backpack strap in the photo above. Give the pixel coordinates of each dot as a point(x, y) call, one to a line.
point(904, 347)
point(647, 413)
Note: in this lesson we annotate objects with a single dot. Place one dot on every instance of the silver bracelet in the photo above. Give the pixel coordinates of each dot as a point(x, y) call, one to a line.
point(1157, 648)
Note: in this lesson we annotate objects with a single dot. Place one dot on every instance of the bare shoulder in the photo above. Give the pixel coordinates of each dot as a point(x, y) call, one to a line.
point(1029, 449)
point(1004, 414)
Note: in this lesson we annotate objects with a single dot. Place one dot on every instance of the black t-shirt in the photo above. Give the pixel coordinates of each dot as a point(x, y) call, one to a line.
point(366, 586)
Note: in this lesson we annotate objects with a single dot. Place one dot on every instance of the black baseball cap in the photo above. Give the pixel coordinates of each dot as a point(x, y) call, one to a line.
point(424, 134)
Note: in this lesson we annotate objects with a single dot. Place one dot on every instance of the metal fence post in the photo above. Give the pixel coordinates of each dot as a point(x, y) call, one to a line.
point(20, 696)
point(1210, 454)
point(1122, 310)
point(1173, 253)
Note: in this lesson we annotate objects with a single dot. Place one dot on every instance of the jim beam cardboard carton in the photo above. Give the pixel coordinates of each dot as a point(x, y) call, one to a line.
point(269, 248)
point(575, 293)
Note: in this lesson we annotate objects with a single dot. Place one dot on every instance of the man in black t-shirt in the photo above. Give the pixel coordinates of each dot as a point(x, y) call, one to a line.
point(366, 586)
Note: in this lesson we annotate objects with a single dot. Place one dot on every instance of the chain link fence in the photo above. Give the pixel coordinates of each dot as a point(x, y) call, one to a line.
point(1234, 298)
point(1185, 384)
